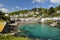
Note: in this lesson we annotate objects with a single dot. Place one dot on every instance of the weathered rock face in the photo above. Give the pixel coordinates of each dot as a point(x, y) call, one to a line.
point(58, 23)
point(13, 29)
point(55, 24)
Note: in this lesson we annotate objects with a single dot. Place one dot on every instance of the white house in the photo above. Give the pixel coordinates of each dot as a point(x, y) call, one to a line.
point(37, 12)
point(6, 14)
point(30, 12)
point(25, 15)
point(21, 15)
point(34, 15)
point(58, 11)
point(54, 18)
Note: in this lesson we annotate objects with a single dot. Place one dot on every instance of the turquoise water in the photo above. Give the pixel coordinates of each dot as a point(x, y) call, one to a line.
point(41, 31)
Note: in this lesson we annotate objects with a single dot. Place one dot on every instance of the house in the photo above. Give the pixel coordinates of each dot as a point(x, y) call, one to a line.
point(53, 18)
point(37, 12)
point(25, 15)
point(21, 15)
point(6, 14)
point(30, 12)
point(58, 11)
point(14, 17)
point(34, 15)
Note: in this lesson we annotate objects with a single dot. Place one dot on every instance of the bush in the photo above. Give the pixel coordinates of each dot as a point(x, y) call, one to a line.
point(49, 21)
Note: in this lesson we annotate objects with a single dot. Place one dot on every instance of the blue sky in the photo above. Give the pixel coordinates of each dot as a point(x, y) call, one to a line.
point(13, 5)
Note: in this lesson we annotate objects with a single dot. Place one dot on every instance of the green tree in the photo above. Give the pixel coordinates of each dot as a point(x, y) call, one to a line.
point(57, 8)
point(51, 10)
point(1, 14)
point(34, 9)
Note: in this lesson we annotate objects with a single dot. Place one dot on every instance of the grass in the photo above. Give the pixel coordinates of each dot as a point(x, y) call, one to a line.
point(2, 21)
point(21, 38)
point(2, 37)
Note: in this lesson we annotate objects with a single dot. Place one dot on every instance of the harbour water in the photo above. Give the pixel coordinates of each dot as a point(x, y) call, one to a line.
point(41, 31)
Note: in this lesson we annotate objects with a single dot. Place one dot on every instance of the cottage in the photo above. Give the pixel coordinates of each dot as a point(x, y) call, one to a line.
point(58, 11)
point(6, 14)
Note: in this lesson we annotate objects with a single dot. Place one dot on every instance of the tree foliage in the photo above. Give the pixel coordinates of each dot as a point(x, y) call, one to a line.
point(3, 17)
point(51, 10)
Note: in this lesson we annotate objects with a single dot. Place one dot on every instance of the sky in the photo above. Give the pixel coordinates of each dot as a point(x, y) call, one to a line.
point(14, 5)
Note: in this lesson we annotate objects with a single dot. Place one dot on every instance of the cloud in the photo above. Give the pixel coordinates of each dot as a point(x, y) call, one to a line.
point(4, 9)
point(38, 1)
point(50, 6)
point(24, 8)
point(1, 5)
point(55, 1)
point(17, 7)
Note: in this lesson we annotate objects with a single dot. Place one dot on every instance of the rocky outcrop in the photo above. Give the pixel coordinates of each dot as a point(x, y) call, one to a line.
point(55, 24)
